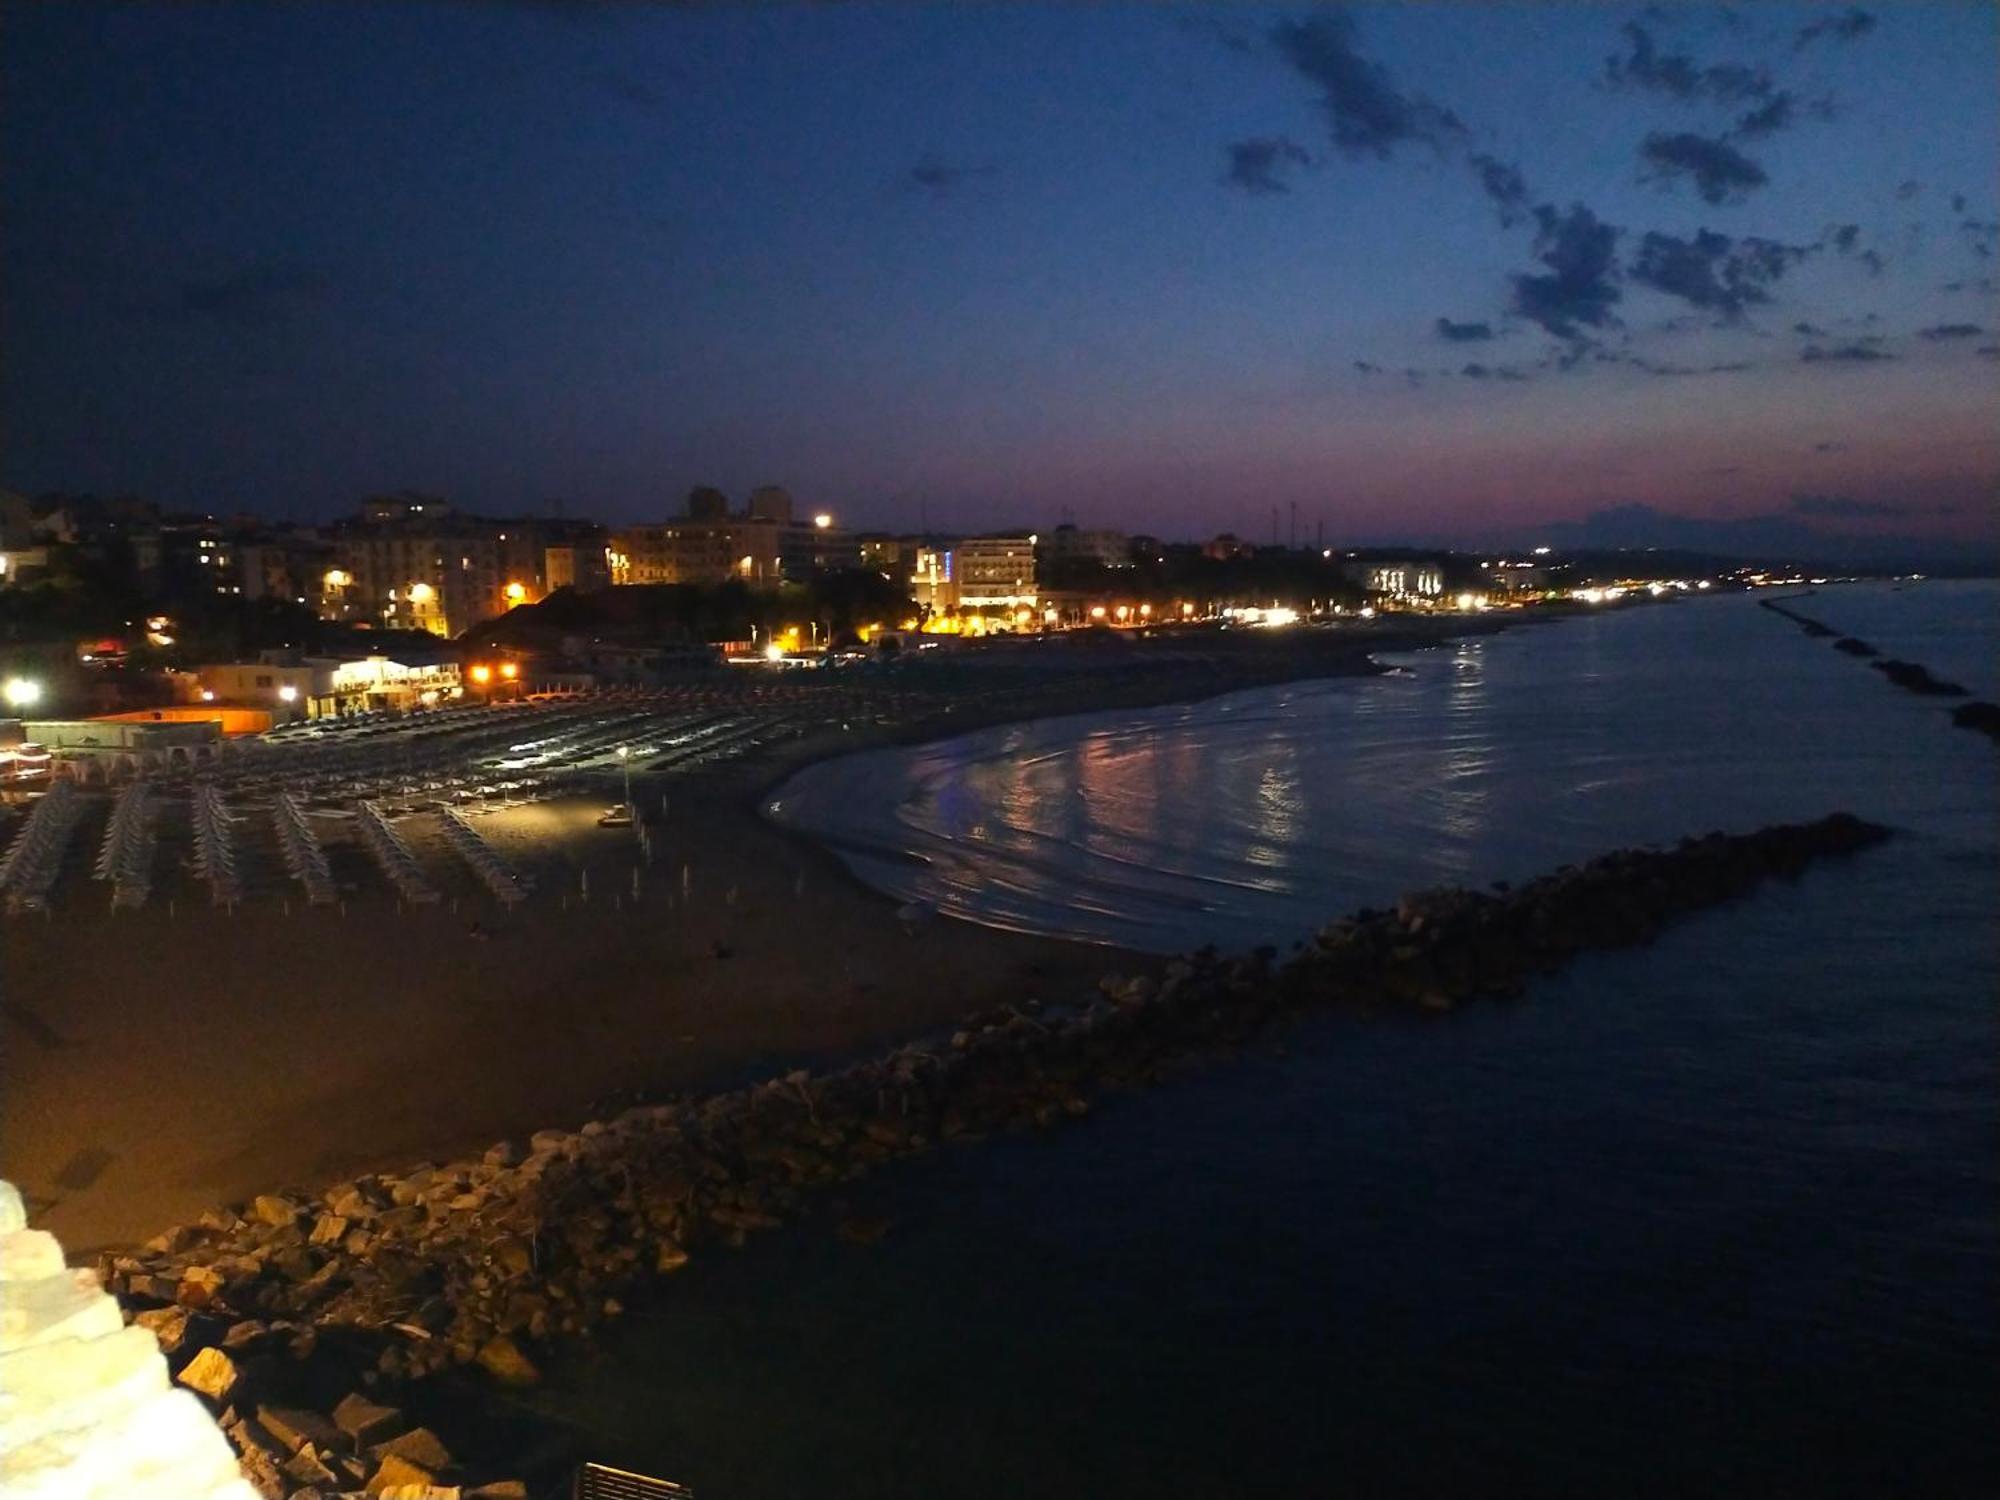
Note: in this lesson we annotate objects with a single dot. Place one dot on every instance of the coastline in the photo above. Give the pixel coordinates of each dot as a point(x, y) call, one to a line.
point(331, 1044)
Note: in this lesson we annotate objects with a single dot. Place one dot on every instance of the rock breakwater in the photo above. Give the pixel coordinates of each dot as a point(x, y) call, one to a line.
point(1912, 677)
point(480, 1264)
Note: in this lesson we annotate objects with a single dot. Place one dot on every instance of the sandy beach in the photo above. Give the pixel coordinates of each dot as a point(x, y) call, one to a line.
point(162, 1061)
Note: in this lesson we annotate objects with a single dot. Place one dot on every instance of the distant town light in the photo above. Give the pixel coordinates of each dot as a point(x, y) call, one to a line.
point(774, 652)
point(208, 695)
point(20, 692)
point(822, 520)
point(1541, 552)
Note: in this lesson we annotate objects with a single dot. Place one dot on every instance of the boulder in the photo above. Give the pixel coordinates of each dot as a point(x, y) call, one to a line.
point(212, 1373)
point(393, 1472)
point(419, 1446)
point(502, 1358)
point(296, 1427)
point(269, 1208)
point(364, 1422)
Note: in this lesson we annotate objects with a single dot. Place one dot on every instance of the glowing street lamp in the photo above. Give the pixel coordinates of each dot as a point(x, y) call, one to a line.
point(21, 693)
point(517, 593)
point(482, 674)
point(822, 520)
point(625, 760)
point(288, 694)
point(509, 671)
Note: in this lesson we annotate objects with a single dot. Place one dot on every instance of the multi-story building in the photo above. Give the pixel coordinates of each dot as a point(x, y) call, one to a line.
point(995, 572)
point(1067, 544)
point(413, 563)
point(762, 547)
point(1407, 579)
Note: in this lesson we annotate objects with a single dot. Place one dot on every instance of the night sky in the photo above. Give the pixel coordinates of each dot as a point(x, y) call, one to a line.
point(1430, 273)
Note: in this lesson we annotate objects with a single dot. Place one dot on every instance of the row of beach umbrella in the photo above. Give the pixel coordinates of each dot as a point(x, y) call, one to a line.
point(29, 868)
point(125, 856)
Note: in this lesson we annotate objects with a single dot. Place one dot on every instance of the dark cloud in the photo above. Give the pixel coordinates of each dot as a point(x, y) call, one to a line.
point(1907, 189)
point(1958, 203)
point(1872, 259)
point(1981, 236)
point(1843, 237)
point(1713, 271)
point(1983, 285)
point(1463, 333)
point(1366, 114)
point(1644, 66)
point(1829, 447)
point(1721, 173)
point(1944, 331)
point(1814, 354)
point(1490, 372)
point(1842, 507)
point(1259, 165)
point(1807, 330)
point(1504, 184)
point(255, 296)
point(1674, 371)
point(940, 178)
point(1366, 368)
point(1773, 115)
point(1580, 286)
point(1988, 351)
point(1848, 26)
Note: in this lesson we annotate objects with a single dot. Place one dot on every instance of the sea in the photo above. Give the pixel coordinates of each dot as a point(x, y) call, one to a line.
point(1717, 1216)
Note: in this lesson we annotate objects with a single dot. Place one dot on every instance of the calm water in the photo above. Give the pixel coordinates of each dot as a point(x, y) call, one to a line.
point(1715, 1216)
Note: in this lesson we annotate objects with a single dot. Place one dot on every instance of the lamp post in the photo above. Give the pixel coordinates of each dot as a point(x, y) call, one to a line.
point(625, 760)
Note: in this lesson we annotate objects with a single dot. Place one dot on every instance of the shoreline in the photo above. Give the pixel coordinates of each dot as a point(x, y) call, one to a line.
point(319, 1046)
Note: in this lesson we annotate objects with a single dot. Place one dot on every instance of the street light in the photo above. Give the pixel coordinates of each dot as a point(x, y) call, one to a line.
point(625, 760)
point(288, 694)
point(21, 693)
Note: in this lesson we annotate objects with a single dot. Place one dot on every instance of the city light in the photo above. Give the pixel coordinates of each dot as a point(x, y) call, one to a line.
point(208, 695)
point(20, 692)
point(822, 520)
point(482, 673)
point(516, 592)
point(774, 652)
point(422, 593)
point(509, 671)
point(288, 694)
point(337, 578)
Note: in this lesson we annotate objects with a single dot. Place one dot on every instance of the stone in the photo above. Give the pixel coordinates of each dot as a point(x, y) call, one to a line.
point(296, 1427)
point(270, 1209)
point(393, 1471)
point(328, 1229)
point(503, 1154)
point(30, 1255)
point(364, 1422)
point(502, 1358)
point(244, 1335)
point(499, 1489)
point(198, 1287)
point(306, 1468)
point(210, 1372)
point(169, 1325)
point(671, 1257)
point(419, 1446)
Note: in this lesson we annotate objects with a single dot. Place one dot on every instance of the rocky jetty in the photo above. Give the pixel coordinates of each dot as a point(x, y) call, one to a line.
point(1911, 676)
point(1916, 678)
point(1979, 716)
point(481, 1265)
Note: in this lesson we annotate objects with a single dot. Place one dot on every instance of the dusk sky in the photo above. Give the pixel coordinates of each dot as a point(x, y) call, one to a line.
point(1432, 273)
